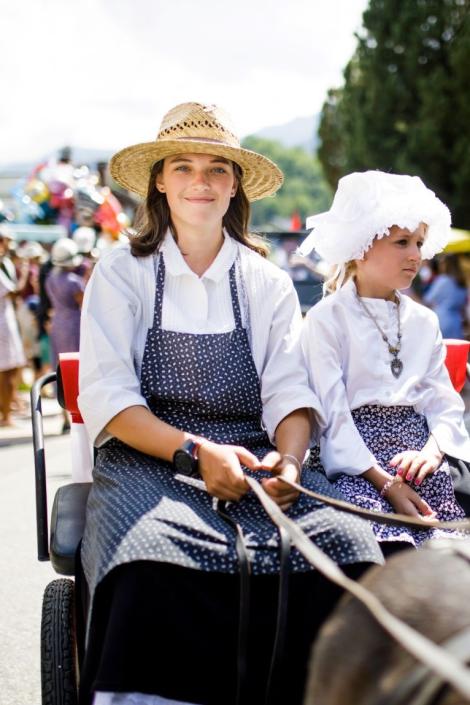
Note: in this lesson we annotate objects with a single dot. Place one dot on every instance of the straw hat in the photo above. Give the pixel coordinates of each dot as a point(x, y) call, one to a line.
point(366, 205)
point(195, 128)
point(64, 253)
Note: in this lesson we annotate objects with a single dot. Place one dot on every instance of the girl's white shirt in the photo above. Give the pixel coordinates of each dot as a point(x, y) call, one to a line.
point(349, 366)
point(118, 310)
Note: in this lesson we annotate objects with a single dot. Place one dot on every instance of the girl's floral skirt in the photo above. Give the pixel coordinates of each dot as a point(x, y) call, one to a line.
point(386, 432)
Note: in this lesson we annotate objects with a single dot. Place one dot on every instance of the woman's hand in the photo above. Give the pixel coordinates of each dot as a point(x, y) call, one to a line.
point(414, 465)
point(405, 500)
point(220, 469)
point(283, 466)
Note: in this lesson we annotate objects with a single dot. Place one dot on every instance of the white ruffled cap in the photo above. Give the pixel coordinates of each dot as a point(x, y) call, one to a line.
point(366, 205)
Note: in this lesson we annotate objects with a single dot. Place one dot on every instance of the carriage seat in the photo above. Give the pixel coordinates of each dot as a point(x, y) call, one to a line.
point(68, 510)
point(67, 525)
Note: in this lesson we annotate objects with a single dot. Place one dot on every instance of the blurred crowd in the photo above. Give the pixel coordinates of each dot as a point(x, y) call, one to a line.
point(41, 282)
point(444, 287)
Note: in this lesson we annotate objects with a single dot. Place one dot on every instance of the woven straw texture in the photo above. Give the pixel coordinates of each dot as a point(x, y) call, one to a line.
point(192, 128)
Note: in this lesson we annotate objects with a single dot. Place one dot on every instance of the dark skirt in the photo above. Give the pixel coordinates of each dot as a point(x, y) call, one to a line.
point(167, 630)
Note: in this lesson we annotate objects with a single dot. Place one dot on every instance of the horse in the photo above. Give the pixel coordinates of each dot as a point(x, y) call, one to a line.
point(354, 661)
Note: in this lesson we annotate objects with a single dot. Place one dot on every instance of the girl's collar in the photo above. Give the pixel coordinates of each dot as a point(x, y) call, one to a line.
point(350, 288)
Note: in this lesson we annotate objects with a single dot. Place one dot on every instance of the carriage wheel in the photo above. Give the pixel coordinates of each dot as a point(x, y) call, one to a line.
point(58, 645)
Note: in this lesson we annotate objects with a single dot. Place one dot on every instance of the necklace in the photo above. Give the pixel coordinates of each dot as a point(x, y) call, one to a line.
point(396, 365)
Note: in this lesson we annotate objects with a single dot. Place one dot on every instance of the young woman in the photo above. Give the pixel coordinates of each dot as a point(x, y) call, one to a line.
point(376, 357)
point(191, 376)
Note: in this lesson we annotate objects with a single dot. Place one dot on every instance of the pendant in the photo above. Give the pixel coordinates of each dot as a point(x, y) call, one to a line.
point(396, 367)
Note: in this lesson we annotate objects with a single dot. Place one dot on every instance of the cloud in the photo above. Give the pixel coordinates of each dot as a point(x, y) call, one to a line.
point(101, 73)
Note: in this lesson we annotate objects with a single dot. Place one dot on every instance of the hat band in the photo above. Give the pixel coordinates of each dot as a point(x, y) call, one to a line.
point(208, 140)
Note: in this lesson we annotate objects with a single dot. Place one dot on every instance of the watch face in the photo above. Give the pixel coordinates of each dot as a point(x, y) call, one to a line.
point(184, 463)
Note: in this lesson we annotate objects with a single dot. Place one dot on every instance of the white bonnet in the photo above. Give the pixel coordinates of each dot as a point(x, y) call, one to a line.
point(366, 205)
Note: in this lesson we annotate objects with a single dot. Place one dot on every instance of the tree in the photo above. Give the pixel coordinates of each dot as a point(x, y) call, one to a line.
point(305, 190)
point(405, 105)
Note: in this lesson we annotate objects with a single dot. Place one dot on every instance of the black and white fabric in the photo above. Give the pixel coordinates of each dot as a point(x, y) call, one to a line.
point(388, 430)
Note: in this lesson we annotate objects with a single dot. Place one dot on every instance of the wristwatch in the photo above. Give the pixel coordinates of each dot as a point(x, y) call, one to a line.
point(185, 458)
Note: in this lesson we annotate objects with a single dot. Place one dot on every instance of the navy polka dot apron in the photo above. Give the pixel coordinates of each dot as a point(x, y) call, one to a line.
point(139, 509)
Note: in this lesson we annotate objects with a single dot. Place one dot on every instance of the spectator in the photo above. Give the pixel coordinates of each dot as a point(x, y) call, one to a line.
point(12, 357)
point(447, 296)
point(65, 288)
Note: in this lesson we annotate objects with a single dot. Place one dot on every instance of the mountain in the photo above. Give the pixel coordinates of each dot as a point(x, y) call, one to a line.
point(300, 132)
point(80, 155)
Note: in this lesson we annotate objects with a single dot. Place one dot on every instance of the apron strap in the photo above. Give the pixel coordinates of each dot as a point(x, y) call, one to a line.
point(159, 286)
point(235, 301)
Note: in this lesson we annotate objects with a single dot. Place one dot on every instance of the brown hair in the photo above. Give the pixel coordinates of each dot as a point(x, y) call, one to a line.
point(154, 218)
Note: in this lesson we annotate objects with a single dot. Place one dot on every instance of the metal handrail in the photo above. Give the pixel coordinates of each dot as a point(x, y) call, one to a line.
point(40, 465)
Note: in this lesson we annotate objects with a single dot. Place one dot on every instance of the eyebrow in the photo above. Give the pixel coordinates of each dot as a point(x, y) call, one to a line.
point(215, 160)
point(404, 235)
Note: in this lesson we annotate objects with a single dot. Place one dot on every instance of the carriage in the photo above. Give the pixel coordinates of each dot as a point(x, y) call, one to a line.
point(65, 601)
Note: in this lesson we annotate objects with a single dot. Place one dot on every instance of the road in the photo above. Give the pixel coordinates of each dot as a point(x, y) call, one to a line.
point(22, 577)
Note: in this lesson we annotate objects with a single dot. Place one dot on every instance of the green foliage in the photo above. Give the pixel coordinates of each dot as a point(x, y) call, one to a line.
point(304, 191)
point(405, 103)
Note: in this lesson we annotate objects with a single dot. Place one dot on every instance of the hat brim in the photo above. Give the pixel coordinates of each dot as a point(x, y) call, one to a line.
point(131, 166)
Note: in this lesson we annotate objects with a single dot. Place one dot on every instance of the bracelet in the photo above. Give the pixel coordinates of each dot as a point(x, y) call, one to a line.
point(294, 460)
point(396, 480)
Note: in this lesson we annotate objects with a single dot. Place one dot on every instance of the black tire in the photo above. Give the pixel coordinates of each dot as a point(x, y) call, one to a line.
point(58, 645)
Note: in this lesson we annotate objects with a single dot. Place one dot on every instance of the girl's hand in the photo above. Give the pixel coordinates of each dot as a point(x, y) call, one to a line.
point(220, 469)
point(405, 500)
point(283, 466)
point(414, 465)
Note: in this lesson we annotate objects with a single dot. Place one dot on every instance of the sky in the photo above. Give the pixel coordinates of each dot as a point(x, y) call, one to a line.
point(101, 73)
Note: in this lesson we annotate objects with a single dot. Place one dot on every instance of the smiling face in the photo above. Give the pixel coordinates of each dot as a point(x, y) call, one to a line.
point(391, 263)
point(198, 188)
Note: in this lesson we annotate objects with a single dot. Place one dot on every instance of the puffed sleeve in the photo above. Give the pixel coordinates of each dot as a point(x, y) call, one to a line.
point(342, 450)
point(442, 405)
point(108, 381)
point(284, 383)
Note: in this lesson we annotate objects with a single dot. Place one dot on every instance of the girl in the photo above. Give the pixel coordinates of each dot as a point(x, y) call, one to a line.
point(376, 358)
point(189, 353)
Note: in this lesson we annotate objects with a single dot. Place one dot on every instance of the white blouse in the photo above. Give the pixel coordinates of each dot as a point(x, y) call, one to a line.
point(118, 311)
point(349, 366)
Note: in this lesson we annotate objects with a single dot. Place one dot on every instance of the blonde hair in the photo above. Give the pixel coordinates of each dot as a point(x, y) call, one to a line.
point(339, 275)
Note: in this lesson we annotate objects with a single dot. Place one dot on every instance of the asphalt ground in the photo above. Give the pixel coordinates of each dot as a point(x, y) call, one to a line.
point(22, 577)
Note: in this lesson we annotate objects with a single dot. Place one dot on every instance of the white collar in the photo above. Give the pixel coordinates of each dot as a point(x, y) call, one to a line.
point(176, 266)
point(349, 288)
